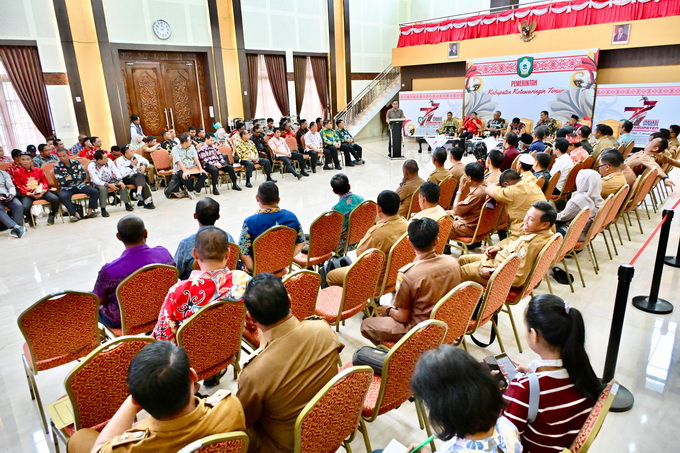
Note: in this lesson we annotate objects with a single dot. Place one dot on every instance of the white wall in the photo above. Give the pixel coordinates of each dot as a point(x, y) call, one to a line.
point(429, 9)
point(131, 21)
point(35, 20)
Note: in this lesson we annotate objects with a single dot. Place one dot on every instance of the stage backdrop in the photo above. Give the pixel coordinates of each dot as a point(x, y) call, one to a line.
point(562, 83)
point(425, 110)
point(649, 106)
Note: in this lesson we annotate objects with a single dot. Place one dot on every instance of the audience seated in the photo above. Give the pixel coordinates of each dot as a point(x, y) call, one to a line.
point(161, 382)
point(214, 162)
point(213, 281)
point(494, 161)
point(409, 184)
point(541, 164)
point(114, 154)
point(382, 236)
point(44, 156)
point(187, 165)
point(568, 385)
point(496, 125)
point(281, 152)
point(331, 146)
point(132, 167)
point(169, 140)
point(457, 169)
point(72, 180)
point(525, 168)
point(509, 150)
point(537, 230)
point(8, 193)
point(257, 137)
point(610, 167)
point(247, 155)
point(31, 185)
point(625, 137)
point(652, 157)
point(428, 196)
point(348, 146)
point(314, 146)
point(586, 195)
point(550, 123)
point(269, 128)
point(420, 285)
point(79, 146)
point(673, 141)
point(133, 234)
point(469, 201)
point(537, 145)
point(576, 152)
point(603, 134)
point(525, 141)
point(563, 163)
point(346, 203)
point(299, 133)
point(297, 359)
point(449, 377)
point(572, 121)
point(268, 216)
point(88, 148)
point(106, 177)
point(4, 157)
point(517, 127)
point(206, 214)
point(149, 145)
point(438, 160)
point(584, 133)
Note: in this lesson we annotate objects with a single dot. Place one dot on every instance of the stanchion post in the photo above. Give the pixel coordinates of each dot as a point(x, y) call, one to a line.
point(652, 303)
point(624, 398)
point(673, 261)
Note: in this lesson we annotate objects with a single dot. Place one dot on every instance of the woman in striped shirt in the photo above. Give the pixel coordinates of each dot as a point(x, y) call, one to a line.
point(568, 385)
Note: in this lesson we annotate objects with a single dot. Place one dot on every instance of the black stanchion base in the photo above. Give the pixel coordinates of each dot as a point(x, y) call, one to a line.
point(660, 307)
point(673, 261)
point(623, 402)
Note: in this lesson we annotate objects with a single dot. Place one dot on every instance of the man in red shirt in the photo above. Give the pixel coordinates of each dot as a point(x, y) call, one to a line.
point(509, 150)
point(88, 151)
point(32, 185)
point(472, 126)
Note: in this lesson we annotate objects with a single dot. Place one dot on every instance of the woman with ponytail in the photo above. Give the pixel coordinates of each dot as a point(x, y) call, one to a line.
point(568, 385)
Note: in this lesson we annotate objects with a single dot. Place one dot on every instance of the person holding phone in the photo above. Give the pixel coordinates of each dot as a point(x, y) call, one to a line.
point(568, 385)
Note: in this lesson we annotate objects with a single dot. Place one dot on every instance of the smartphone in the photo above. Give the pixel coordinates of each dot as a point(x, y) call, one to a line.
point(492, 363)
point(506, 365)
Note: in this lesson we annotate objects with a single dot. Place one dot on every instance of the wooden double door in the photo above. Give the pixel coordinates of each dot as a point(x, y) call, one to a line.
point(166, 90)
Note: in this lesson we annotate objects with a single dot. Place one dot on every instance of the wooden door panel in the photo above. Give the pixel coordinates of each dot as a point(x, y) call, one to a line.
point(146, 95)
point(181, 94)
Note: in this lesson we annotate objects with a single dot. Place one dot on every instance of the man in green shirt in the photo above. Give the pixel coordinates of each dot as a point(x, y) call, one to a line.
point(331, 143)
point(346, 204)
point(347, 144)
point(449, 125)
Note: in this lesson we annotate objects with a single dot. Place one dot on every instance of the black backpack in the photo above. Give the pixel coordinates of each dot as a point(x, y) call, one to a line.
point(479, 151)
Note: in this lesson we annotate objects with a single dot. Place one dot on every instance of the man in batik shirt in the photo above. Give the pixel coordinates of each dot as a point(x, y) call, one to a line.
point(547, 121)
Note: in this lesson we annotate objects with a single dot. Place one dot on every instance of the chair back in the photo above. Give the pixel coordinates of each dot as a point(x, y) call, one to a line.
point(645, 185)
point(528, 123)
point(324, 235)
point(361, 219)
point(573, 233)
point(212, 336)
point(141, 295)
point(455, 309)
point(414, 204)
point(615, 125)
point(541, 266)
point(161, 159)
point(60, 328)
point(447, 189)
point(593, 423)
point(540, 182)
point(550, 188)
point(229, 152)
point(618, 204)
point(488, 220)
point(598, 222)
point(234, 442)
point(360, 282)
point(570, 183)
point(333, 414)
point(496, 292)
point(232, 259)
point(395, 382)
point(399, 256)
point(303, 289)
point(48, 170)
point(97, 386)
point(588, 162)
point(445, 227)
point(515, 163)
point(629, 149)
point(273, 250)
point(292, 143)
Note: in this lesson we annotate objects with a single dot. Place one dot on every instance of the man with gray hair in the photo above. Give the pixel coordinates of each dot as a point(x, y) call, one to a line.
point(496, 125)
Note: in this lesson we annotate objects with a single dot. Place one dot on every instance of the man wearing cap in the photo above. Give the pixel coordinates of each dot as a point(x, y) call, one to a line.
point(524, 143)
point(573, 122)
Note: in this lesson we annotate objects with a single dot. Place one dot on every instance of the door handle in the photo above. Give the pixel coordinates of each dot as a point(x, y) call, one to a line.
point(167, 122)
point(172, 118)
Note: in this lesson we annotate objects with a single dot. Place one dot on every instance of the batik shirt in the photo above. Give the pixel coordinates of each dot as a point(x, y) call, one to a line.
point(343, 135)
point(496, 124)
point(449, 126)
point(185, 155)
point(188, 296)
point(505, 438)
point(264, 219)
point(329, 137)
point(550, 122)
point(76, 149)
point(246, 150)
point(518, 127)
point(209, 155)
point(39, 161)
point(69, 176)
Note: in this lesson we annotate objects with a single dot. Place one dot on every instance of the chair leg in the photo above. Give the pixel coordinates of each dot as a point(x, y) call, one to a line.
point(462, 341)
point(578, 266)
point(514, 329)
point(348, 448)
point(625, 224)
point(421, 424)
point(638, 220)
point(420, 408)
point(35, 394)
point(566, 269)
point(547, 280)
point(613, 241)
point(647, 209)
point(494, 326)
point(606, 242)
point(364, 432)
point(596, 265)
point(618, 232)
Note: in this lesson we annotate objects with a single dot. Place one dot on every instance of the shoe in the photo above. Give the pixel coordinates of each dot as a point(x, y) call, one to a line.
point(73, 219)
point(128, 207)
point(29, 220)
point(351, 164)
point(214, 380)
point(338, 167)
point(215, 191)
point(105, 213)
point(358, 162)
point(313, 169)
point(15, 232)
point(149, 206)
point(22, 231)
point(139, 197)
point(181, 194)
point(140, 203)
point(272, 180)
point(191, 194)
point(327, 167)
point(236, 187)
point(95, 214)
point(363, 162)
point(249, 185)
point(50, 219)
point(304, 173)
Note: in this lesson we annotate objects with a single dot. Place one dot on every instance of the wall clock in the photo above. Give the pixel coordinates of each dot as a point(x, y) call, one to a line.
point(162, 29)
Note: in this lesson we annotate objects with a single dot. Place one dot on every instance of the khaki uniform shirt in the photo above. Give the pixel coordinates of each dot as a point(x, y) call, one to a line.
point(518, 199)
point(528, 176)
point(458, 170)
point(612, 183)
point(382, 236)
point(641, 160)
point(527, 247)
point(435, 213)
point(493, 177)
point(296, 359)
point(469, 205)
point(438, 175)
point(422, 283)
point(221, 413)
point(628, 174)
point(405, 190)
point(602, 144)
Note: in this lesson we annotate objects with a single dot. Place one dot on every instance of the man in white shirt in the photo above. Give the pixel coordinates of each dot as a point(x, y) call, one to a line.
point(105, 176)
point(428, 196)
point(313, 144)
point(283, 153)
point(563, 163)
point(132, 167)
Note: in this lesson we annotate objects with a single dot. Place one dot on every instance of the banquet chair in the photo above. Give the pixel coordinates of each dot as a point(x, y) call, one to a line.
point(593, 423)
point(360, 220)
point(303, 289)
point(324, 237)
point(569, 241)
point(445, 226)
point(488, 220)
point(401, 253)
point(233, 442)
point(273, 251)
point(447, 189)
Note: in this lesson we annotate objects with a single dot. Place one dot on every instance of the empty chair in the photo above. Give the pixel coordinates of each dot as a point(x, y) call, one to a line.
point(303, 289)
point(595, 227)
point(570, 240)
point(324, 236)
point(161, 160)
point(273, 251)
point(235, 442)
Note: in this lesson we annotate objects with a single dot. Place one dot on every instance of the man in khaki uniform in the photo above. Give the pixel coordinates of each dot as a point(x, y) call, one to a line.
point(408, 186)
point(382, 236)
point(161, 382)
point(605, 140)
point(457, 169)
point(526, 167)
point(438, 159)
point(537, 231)
point(296, 359)
point(469, 201)
point(494, 160)
point(420, 285)
point(610, 169)
point(428, 196)
point(518, 195)
point(652, 157)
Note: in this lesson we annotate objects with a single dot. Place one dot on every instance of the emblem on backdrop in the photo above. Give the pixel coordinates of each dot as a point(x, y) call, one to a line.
point(525, 66)
point(526, 30)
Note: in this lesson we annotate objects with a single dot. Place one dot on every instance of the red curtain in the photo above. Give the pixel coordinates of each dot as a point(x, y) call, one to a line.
point(320, 71)
point(300, 74)
point(552, 16)
point(253, 75)
point(278, 79)
point(24, 71)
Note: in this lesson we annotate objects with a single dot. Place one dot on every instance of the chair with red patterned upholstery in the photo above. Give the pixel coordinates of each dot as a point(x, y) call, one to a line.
point(549, 188)
point(58, 329)
point(212, 337)
point(361, 219)
point(620, 198)
point(161, 160)
point(595, 227)
point(234, 442)
point(392, 388)
point(324, 236)
point(331, 417)
point(593, 423)
point(399, 256)
point(140, 298)
point(303, 289)
point(538, 272)
point(273, 251)
point(569, 184)
point(494, 297)
point(97, 386)
point(445, 226)
point(414, 205)
point(447, 189)
point(232, 259)
point(487, 223)
point(569, 241)
point(337, 303)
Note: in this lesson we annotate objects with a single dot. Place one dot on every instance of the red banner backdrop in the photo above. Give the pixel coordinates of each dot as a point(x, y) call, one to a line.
point(548, 17)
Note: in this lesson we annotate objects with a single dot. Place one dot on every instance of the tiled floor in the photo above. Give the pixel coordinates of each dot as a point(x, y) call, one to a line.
point(68, 256)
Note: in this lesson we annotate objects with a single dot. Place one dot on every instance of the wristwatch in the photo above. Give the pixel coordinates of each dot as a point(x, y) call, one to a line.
point(387, 312)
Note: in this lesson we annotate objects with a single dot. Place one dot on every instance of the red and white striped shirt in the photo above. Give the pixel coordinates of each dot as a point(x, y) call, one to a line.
point(562, 410)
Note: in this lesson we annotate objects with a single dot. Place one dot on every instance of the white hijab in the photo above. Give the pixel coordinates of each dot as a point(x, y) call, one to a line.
point(588, 191)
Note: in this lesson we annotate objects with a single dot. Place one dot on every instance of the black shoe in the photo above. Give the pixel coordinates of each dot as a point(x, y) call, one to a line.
point(298, 176)
point(338, 167)
point(215, 379)
point(215, 191)
point(249, 185)
point(304, 173)
point(149, 206)
point(358, 162)
point(128, 207)
point(50, 219)
point(30, 222)
point(327, 167)
point(351, 164)
point(236, 187)
point(272, 180)
point(140, 203)
point(105, 213)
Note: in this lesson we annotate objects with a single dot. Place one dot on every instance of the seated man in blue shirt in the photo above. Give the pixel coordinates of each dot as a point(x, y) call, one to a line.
point(538, 145)
point(269, 215)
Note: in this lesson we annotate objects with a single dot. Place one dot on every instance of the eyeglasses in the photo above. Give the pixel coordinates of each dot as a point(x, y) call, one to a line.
point(602, 165)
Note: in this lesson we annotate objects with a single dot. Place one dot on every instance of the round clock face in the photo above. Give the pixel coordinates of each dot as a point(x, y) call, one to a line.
point(162, 29)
